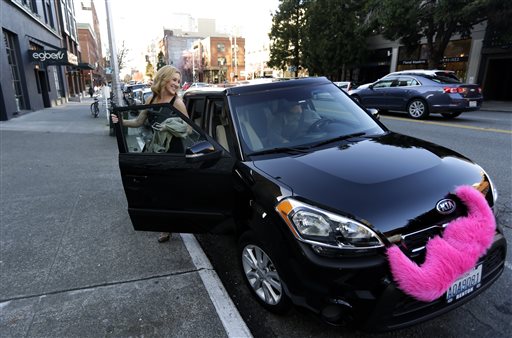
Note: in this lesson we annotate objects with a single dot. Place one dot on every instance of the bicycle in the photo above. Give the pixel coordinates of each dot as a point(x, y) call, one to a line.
point(95, 107)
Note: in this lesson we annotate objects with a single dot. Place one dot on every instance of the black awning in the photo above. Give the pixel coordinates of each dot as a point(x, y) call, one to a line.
point(85, 65)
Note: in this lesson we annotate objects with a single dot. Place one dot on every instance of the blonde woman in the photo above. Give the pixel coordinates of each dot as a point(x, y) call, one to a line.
point(165, 90)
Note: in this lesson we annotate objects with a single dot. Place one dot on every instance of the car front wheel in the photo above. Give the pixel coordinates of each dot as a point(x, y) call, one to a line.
point(417, 109)
point(261, 274)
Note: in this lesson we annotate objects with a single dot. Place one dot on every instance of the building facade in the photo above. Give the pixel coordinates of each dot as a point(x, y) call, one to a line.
point(39, 56)
point(89, 38)
point(223, 59)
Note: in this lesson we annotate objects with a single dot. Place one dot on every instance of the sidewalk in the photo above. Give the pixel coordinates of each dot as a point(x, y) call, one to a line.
point(71, 264)
point(505, 106)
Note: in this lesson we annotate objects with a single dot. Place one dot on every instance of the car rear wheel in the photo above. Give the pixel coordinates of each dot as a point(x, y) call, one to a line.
point(261, 274)
point(417, 109)
point(451, 115)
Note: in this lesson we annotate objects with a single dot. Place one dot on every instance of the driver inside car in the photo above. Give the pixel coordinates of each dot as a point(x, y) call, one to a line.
point(293, 121)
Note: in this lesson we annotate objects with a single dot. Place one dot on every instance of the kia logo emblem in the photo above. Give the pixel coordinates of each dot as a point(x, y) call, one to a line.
point(446, 206)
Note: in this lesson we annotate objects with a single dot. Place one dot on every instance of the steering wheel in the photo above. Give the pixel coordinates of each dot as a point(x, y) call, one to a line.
point(318, 125)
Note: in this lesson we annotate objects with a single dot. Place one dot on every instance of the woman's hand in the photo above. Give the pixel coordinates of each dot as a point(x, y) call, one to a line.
point(114, 118)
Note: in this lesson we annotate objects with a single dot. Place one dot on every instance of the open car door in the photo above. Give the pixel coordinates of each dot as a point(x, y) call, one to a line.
point(176, 178)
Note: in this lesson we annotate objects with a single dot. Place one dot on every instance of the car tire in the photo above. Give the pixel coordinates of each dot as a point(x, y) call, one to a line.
point(260, 274)
point(451, 115)
point(417, 109)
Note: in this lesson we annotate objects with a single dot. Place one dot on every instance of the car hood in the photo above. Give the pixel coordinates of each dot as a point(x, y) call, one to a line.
point(387, 181)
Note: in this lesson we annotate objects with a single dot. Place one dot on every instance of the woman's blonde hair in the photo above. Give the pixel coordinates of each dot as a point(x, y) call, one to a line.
point(163, 76)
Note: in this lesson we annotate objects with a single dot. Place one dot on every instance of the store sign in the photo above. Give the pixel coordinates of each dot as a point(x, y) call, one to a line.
point(454, 59)
point(53, 57)
point(414, 62)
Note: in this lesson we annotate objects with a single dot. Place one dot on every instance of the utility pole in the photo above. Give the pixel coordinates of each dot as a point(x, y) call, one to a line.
point(116, 86)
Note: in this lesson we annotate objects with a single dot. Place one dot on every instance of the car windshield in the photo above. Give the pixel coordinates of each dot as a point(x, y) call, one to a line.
point(298, 118)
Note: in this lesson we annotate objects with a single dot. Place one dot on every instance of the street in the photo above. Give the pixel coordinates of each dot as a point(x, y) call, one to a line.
point(485, 137)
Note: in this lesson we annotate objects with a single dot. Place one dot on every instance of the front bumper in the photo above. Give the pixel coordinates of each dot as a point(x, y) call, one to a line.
point(362, 291)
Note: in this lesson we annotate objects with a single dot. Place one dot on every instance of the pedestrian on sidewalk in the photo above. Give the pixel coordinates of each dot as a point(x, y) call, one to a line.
point(165, 90)
point(91, 90)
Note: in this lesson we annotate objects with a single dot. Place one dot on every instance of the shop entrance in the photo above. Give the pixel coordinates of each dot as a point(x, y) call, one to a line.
point(497, 80)
point(42, 80)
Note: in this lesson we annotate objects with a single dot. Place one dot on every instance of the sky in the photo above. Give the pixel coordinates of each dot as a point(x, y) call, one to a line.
point(138, 22)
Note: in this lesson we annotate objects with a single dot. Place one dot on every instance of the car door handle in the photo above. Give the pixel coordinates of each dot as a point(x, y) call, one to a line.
point(137, 178)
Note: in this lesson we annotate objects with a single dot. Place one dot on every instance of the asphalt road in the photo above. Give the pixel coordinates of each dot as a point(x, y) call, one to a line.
point(485, 137)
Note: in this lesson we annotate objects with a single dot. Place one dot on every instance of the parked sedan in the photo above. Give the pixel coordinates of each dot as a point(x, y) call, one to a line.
point(420, 94)
point(290, 167)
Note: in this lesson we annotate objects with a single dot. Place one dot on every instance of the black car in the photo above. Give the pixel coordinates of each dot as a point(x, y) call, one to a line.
point(420, 93)
point(291, 168)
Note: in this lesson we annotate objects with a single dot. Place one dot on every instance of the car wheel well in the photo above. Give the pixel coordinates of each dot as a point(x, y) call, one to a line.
point(450, 115)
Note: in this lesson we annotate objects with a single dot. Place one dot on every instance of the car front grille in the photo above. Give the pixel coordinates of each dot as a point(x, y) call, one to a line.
point(414, 243)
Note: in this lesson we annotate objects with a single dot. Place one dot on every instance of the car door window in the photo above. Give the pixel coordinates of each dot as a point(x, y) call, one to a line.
point(195, 108)
point(220, 128)
point(407, 82)
point(164, 130)
point(384, 83)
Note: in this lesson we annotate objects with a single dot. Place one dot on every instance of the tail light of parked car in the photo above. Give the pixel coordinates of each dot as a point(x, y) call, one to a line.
point(460, 90)
point(454, 90)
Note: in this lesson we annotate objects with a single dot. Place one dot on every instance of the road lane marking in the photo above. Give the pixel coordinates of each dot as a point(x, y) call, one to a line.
point(226, 309)
point(444, 124)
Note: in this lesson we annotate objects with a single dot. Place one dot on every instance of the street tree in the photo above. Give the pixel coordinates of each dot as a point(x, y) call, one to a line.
point(161, 60)
point(150, 70)
point(435, 20)
point(335, 37)
point(287, 36)
point(122, 54)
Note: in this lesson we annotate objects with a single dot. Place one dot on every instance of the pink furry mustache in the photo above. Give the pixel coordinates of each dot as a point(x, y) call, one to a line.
point(464, 241)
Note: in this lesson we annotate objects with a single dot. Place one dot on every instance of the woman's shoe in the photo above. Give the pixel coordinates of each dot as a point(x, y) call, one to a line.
point(164, 237)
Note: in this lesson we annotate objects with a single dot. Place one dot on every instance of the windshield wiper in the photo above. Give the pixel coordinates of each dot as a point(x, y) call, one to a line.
point(292, 150)
point(337, 138)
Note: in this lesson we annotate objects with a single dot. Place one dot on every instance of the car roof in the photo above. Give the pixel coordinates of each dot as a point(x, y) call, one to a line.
point(422, 71)
point(259, 84)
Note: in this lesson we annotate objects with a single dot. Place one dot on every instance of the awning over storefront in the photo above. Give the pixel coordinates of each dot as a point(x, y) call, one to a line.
point(85, 66)
point(60, 57)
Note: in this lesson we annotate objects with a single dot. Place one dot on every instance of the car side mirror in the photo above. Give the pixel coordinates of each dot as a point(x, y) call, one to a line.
point(374, 112)
point(201, 151)
point(370, 86)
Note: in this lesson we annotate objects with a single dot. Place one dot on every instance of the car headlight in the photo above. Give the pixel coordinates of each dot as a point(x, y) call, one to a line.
point(319, 227)
point(484, 185)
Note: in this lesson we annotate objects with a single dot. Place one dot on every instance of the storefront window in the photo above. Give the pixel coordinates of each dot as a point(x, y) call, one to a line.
point(10, 44)
point(455, 58)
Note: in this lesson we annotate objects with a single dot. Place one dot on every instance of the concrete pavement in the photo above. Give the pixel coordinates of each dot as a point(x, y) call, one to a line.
point(71, 264)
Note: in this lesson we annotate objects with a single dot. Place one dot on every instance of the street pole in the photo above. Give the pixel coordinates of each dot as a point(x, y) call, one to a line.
point(116, 86)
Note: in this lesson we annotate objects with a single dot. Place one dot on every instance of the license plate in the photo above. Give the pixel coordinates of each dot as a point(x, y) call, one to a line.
point(465, 284)
point(472, 103)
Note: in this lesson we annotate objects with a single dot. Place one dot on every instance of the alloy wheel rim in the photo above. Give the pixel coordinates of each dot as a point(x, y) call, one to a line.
point(416, 109)
point(262, 274)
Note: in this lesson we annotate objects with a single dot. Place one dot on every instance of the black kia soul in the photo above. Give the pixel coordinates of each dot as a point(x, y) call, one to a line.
point(319, 191)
